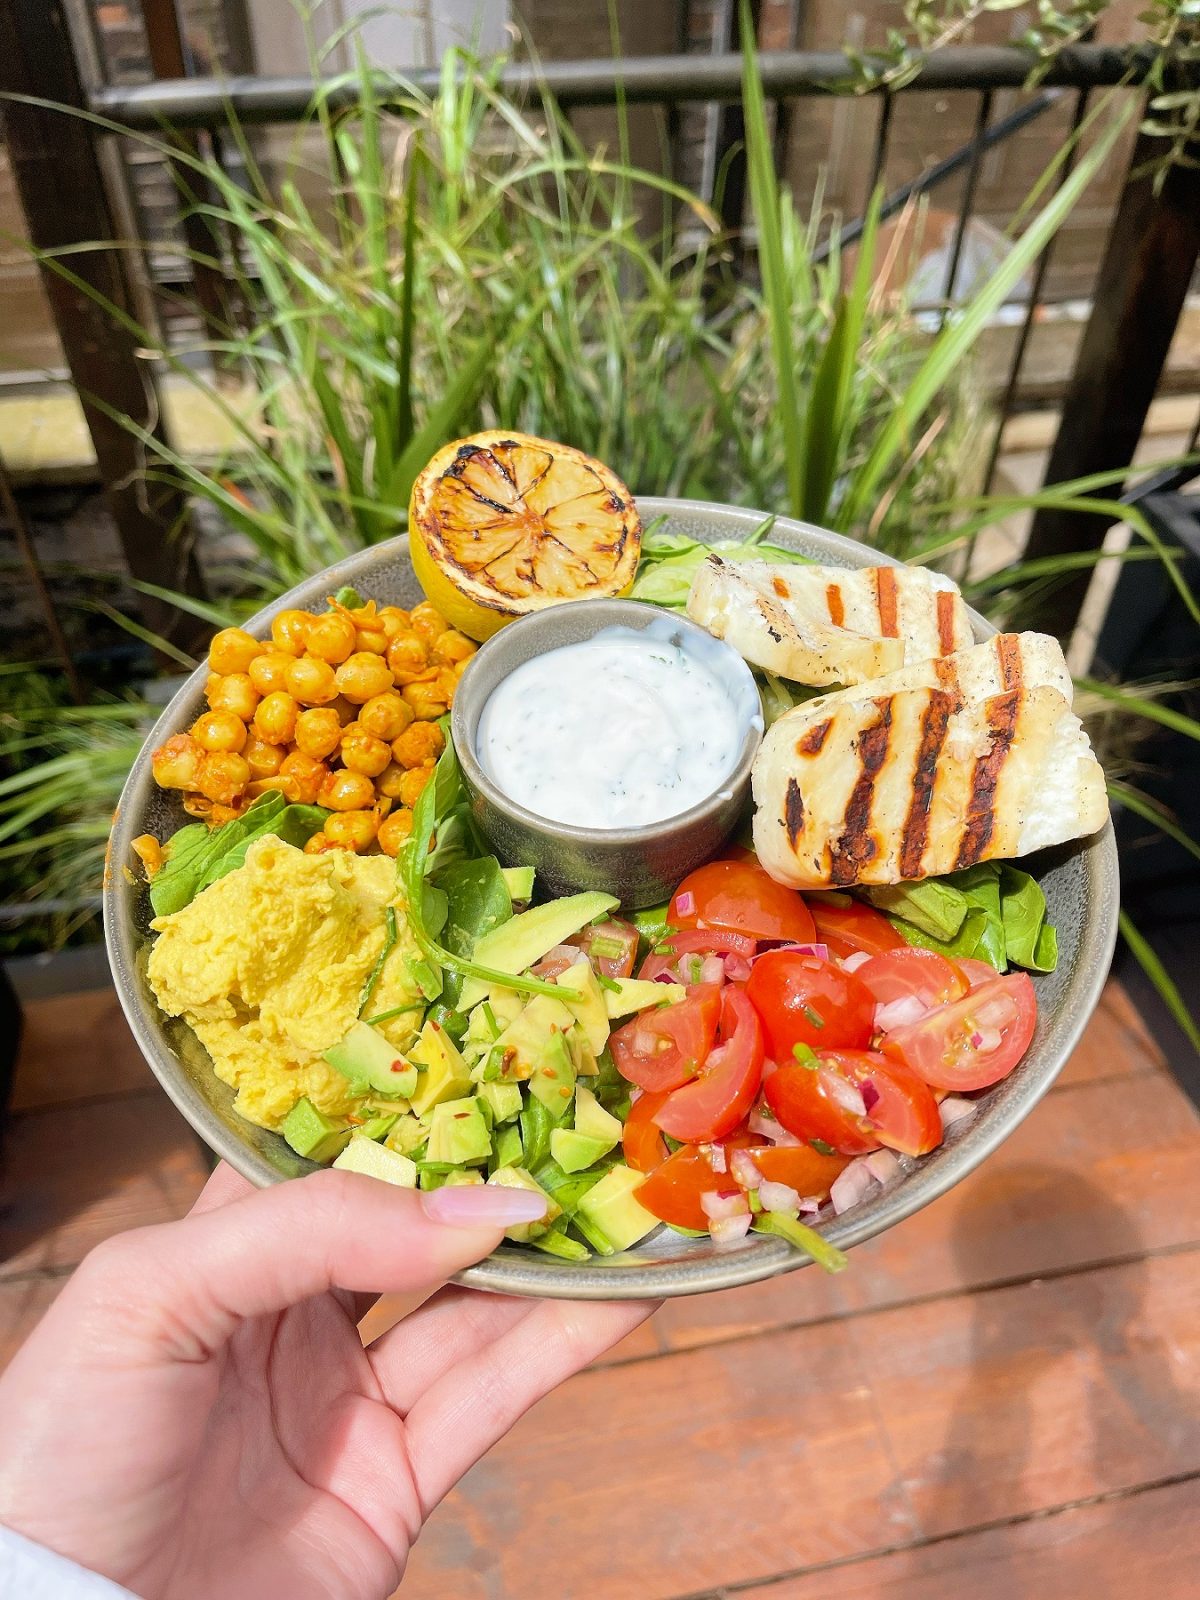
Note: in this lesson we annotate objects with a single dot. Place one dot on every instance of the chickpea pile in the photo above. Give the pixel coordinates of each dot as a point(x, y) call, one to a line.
point(338, 710)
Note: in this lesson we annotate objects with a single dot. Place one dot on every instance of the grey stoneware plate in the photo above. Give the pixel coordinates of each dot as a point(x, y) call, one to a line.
point(1080, 884)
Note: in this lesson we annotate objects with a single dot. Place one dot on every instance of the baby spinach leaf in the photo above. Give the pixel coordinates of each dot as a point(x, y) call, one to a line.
point(198, 856)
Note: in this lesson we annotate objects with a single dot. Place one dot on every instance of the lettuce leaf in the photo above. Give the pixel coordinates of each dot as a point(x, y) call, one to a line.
point(197, 856)
point(993, 912)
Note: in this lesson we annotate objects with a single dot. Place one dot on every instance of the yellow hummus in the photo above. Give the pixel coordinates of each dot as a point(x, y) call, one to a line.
point(267, 967)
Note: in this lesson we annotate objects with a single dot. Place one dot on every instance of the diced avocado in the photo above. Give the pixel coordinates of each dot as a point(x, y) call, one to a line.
point(525, 1041)
point(612, 1208)
point(575, 1151)
point(503, 1098)
point(372, 1063)
point(446, 1075)
point(636, 994)
point(589, 1010)
point(518, 943)
point(455, 1180)
point(518, 1178)
point(407, 1134)
point(506, 1005)
point(586, 1065)
point(379, 1127)
point(553, 1079)
point(311, 1133)
point(458, 1132)
point(508, 1147)
point(377, 1161)
point(593, 1121)
point(518, 881)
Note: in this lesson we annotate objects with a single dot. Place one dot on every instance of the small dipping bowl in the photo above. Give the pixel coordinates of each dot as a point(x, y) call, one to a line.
point(641, 866)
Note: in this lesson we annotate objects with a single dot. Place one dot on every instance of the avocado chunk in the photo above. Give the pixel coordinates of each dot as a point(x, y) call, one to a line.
point(458, 1133)
point(503, 1099)
point(518, 881)
point(611, 1207)
point(518, 943)
point(406, 1135)
point(377, 1161)
point(509, 1150)
point(636, 994)
point(593, 1121)
point(311, 1133)
point(518, 1178)
point(445, 1075)
point(523, 1044)
point(586, 1065)
point(378, 1127)
point(455, 1180)
point(553, 1079)
point(589, 1010)
point(372, 1064)
point(575, 1151)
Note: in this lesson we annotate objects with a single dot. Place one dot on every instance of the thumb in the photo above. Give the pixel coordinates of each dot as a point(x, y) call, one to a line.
point(186, 1285)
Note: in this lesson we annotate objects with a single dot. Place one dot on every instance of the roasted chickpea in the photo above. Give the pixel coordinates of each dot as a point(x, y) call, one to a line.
point(459, 668)
point(393, 831)
point(421, 743)
point(264, 760)
point(275, 719)
point(346, 791)
point(363, 752)
point(236, 693)
point(220, 814)
point(447, 683)
point(268, 672)
point(413, 781)
point(232, 650)
point(332, 638)
point(276, 785)
point(407, 657)
point(317, 844)
point(290, 631)
point(373, 640)
point(318, 732)
point(452, 647)
point(393, 621)
point(346, 712)
point(385, 715)
point(223, 777)
point(305, 775)
point(389, 780)
point(176, 764)
point(428, 621)
point(352, 830)
point(311, 681)
point(363, 675)
point(427, 701)
point(196, 805)
point(219, 730)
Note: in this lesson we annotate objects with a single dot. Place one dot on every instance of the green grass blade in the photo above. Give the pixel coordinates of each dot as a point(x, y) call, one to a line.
point(1151, 811)
point(1137, 706)
point(1147, 958)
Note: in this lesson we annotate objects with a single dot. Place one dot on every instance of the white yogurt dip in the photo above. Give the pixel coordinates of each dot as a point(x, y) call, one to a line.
point(620, 730)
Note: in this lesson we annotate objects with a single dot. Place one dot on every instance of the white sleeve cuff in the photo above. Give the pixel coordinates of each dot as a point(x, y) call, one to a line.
point(35, 1573)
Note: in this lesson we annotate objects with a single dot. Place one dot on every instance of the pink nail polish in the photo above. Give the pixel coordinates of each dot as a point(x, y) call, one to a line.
point(476, 1205)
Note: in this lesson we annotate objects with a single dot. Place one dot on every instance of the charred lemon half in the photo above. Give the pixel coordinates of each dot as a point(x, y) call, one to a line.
point(502, 524)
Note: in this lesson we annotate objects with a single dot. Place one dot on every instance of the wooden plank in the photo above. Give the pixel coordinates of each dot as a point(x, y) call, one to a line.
point(1131, 1548)
point(1094, 1175)
point(1115, 1043)
point(74, 1047)
point(1001, 1404)
point(672, 1476)
point(22, 1305)
point(75, 1176)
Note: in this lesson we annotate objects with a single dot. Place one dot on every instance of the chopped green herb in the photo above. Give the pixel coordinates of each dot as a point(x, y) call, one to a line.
point(389, 944)
point(610, 984)
point(803, 1238)
point(489, 1016)
point(607, 949)
point(396, 1011)
point(822, 1148)
point(806, 1056)
point(813, 1018)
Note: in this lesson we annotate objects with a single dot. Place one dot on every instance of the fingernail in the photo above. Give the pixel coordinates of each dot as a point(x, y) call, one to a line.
point(475, 1205)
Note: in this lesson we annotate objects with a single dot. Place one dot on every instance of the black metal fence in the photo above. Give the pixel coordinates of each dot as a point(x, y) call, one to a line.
point(1144, 275)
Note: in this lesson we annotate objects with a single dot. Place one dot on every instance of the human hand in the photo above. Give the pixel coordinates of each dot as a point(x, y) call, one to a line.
point(196, 1414)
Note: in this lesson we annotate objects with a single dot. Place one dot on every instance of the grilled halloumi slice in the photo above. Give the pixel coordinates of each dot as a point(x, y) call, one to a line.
point(1005, 661)
point(829, 625)
point(878, 788)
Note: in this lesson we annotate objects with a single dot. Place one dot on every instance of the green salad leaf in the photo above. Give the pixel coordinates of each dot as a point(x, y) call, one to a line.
point(198, 856)
point(993, 912)
point(477, 900)
point(670, 561)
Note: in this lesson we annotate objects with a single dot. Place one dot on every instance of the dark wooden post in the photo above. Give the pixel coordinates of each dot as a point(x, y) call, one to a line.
point(1148, 264)
point(62, 192)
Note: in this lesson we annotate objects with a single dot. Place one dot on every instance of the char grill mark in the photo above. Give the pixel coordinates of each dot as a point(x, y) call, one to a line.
point(934, 724)
point(1003, 712)
point(856, 846)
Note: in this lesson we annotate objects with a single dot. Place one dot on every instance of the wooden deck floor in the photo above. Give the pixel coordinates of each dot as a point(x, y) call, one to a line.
point(999, 1398)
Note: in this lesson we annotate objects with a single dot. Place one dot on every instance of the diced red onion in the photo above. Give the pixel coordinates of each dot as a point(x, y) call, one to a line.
point(685, 903)
point(987, 1038)
point(870, 1096)
point(762, 1123)
point(899, 1013)
point(821, 951)
point(712, 970)
point(850, 1186)
point(716, 1157)
point(769, 1067)
point(737, 969)
point(725, 1230)
point(669, 976)
point(810, 1204)
point(847, 1095)
point(854, 960)
point(778, 1197)
point(997, 1012)
point(717, 1206)
point(744, 1169)
point(954, 1108)
point(635, 1095)
point(882, 1165)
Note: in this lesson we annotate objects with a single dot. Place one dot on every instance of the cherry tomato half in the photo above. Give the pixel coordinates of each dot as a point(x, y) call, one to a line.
point(976, 972)
point(610, 946)
point(972, 1042)
point(741, 897)
point(847, 929)
point(804, 1000)
point(912, 973)
point(713, 1104)
point(801, 1167)
point(685, 947)
point(672, 1191)
point(641, 1140)
point(665, 1048)
point(815, 1102)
